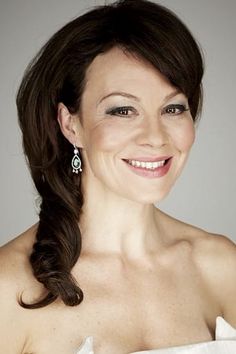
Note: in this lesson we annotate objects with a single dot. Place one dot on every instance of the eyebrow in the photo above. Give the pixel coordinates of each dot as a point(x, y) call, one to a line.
point(128, 95)
point(120, 93)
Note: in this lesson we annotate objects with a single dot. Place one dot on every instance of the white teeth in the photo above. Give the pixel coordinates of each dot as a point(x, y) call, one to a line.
point(143, 164)
point(147, 165)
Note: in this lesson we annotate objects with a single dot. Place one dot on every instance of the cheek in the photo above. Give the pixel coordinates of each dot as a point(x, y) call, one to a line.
point(107, 138)
point(184, 136)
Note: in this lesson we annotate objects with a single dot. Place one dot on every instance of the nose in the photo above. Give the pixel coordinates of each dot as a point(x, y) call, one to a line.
point(152, 133)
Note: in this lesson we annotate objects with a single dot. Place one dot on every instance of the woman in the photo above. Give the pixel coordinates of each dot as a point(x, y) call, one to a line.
point(107, 111)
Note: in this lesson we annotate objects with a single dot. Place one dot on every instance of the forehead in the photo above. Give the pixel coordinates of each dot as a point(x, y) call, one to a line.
point(116, 70)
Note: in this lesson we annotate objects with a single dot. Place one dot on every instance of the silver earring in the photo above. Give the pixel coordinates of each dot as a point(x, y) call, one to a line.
point(76, 161)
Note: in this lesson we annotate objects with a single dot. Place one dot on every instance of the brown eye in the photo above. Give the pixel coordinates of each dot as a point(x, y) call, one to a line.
point(125, 111)
point(175, 109)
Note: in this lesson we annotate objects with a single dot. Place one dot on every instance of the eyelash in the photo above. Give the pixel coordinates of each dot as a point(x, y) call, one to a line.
point(180, 107)
point(117, 111)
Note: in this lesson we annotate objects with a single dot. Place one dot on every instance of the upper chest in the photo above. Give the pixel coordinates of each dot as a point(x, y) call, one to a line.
point(142, 310)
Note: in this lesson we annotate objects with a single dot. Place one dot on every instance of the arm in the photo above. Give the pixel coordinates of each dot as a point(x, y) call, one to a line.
point(12, 334)
point(228, 288)
point(216, 259)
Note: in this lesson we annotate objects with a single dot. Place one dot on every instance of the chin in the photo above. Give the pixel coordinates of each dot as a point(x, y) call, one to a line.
point(147, 198)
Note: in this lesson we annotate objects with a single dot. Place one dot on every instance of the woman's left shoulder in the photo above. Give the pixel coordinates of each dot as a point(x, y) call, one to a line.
point(215, 245)
point(215, 256)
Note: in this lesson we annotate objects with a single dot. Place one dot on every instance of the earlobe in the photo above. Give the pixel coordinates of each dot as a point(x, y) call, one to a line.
point(68, 125)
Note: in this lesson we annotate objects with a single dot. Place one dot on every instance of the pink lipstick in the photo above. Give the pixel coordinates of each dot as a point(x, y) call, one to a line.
point(150, 167)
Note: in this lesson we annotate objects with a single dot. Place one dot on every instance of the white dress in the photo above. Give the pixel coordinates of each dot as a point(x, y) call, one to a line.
point(224, 343)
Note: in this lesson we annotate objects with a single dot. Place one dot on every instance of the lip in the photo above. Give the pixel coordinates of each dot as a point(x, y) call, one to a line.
point(156, 173)
point(149, 159)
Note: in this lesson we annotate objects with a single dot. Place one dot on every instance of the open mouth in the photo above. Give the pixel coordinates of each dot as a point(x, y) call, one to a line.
point(148, 165)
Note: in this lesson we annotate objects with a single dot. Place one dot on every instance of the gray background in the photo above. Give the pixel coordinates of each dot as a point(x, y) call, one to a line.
point(205, 193)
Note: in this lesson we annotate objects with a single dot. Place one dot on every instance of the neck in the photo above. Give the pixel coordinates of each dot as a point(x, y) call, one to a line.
point(112, 224)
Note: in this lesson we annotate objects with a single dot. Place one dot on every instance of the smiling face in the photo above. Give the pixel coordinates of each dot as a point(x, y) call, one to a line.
point(137, 129)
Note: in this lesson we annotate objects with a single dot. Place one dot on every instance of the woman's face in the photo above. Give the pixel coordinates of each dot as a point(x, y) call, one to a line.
point(137, 129)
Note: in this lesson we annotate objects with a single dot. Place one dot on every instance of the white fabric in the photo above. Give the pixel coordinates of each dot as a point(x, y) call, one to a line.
point(224, 343)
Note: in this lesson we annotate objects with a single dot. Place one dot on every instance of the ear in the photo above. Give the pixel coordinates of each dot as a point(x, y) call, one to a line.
point(70, 125)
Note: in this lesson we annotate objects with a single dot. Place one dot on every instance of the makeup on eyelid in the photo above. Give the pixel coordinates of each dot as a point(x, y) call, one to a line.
point(122, 110)
point(129, 123)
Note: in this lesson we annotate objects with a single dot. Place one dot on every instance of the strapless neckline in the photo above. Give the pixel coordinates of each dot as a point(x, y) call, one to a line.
point(224, 343)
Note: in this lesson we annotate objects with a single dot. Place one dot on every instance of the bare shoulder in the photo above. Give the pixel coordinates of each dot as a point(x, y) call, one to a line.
point(207, 247)
point(217, 247)
point(215, 254)
point(14, 257)
point(215, 257)
point(15, 277)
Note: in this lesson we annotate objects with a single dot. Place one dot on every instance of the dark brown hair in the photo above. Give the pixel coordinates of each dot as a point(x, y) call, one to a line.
point(58, 74)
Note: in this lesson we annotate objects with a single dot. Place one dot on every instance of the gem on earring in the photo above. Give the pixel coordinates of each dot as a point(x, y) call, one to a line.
point(76, 161)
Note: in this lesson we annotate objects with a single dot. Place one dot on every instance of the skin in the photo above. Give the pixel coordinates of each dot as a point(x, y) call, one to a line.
point(149, 280)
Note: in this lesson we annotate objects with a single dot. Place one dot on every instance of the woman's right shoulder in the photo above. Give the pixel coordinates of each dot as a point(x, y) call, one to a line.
point(15, 268)
point(14, 256)
point(15, 277)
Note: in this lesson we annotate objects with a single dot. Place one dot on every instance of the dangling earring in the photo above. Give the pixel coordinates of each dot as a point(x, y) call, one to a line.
point(76, 161)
